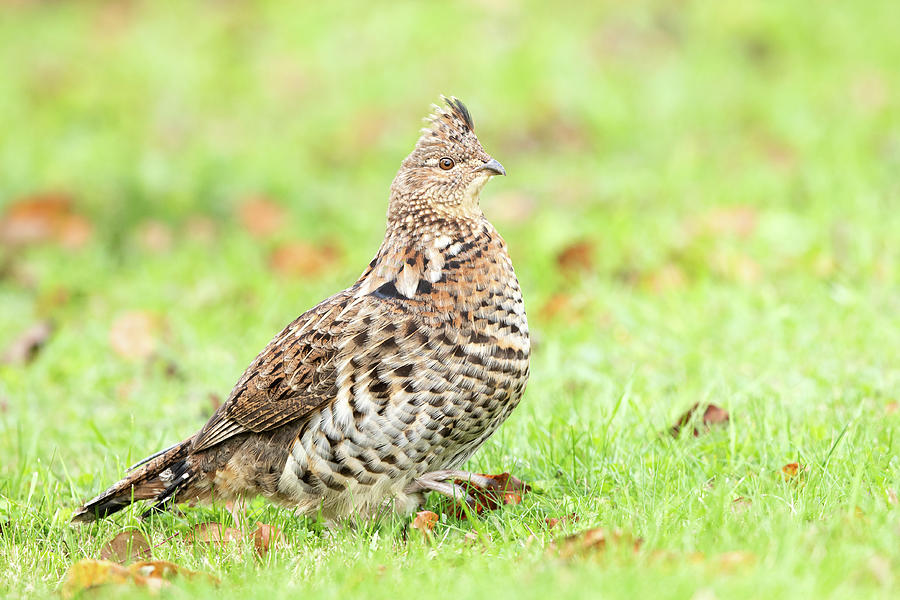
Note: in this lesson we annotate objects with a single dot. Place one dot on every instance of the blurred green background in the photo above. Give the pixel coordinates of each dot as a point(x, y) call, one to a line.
point(702, 206)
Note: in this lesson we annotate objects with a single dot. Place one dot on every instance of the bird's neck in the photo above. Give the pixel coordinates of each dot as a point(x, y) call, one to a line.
point(419, 248)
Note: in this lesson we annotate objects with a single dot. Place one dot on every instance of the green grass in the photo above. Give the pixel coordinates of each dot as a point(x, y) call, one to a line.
point(634, 126)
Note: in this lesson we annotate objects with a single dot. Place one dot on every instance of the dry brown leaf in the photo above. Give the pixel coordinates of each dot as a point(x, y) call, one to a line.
point(87, 574)
point(164, 570)
point(299, 259)
point(260, 216)
point(558, 304)
point(136, 334)
point(42, 218)
point(712, 415)
point(213, 533)
point(891, 407)
point(264, 538)
point(425, 521)
point(792, 471)
point(554, 521)
point(25, 347)
point(570, 309)
point(594, 540)
point(576, 257)
point(505, 489)
point(126, 546)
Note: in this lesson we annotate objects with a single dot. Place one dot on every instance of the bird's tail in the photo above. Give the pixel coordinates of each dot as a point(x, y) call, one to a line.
point(157, 477)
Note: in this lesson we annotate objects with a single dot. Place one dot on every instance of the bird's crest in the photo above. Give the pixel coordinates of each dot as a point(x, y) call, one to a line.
point(450, 124)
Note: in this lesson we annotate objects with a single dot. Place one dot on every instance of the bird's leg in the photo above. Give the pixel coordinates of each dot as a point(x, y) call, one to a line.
point(425, 484)
point(479, 491)
point(238, 510)
point(444, 482)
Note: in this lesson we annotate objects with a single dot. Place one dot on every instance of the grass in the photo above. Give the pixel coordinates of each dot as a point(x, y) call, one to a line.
point(731, 168)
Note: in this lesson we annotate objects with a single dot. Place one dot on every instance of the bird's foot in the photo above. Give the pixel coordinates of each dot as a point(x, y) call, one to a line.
point(476, 490)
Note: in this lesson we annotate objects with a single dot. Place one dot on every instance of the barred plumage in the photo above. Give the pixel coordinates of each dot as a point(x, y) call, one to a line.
point(404, 374)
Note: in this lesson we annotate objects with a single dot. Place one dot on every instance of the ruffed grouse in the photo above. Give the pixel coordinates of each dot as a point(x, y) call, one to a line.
point(383, 390)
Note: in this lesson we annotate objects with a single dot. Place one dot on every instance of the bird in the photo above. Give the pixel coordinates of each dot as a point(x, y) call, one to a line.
point(376, 396)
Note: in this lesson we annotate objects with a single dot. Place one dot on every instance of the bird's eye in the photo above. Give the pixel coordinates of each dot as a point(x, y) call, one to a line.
point(446, 163)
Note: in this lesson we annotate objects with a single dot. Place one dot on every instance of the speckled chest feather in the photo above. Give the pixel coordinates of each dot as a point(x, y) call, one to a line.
point(439, 361)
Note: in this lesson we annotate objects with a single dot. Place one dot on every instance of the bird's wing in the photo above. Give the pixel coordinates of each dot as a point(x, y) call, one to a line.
point(293, 376)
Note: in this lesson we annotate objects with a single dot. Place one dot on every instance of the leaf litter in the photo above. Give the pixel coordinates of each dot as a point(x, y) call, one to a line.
point(25, 347)
point(126, 546)
point(156, 574)
point(700, 423)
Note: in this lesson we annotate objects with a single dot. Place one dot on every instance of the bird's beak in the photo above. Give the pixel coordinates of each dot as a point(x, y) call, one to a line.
point(493, 166)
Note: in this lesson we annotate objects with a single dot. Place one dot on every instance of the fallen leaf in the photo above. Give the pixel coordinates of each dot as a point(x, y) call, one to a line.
point(891, 407)
point(173, 371)
point(136, 334)
point(264, 538)
point(593, 541)
point(87, 574)
point(504, 489)
point(299, 259)
point(792, 471)
point(425, 521)
point(41, 218)
point(578, 256)
point(25, 347)
point(571, 310)
point(126, 546)
point(163, 569)
point(558, 304)
point(214, 534)
point(712, 415)
point(554, 521)
point(261, 217)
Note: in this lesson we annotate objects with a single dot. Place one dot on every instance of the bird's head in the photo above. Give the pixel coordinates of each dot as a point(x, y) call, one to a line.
point(445, 172)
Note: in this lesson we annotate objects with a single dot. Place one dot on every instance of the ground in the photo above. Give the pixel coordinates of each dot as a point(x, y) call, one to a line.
point(701, 205)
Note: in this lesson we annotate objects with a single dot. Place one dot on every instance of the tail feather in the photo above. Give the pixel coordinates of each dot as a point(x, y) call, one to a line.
point(157, 477)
